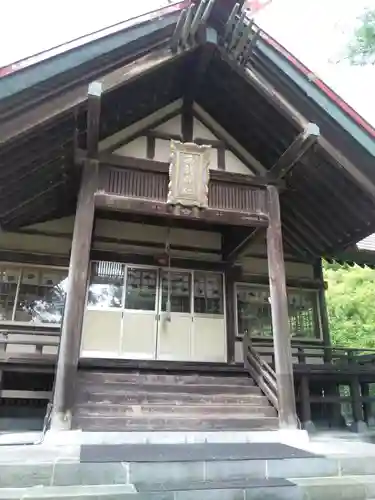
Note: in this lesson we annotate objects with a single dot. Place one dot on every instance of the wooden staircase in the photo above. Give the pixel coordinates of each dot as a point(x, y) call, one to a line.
point(179, 401)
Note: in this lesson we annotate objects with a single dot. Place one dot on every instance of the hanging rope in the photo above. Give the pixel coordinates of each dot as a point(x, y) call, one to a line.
point(167, 251)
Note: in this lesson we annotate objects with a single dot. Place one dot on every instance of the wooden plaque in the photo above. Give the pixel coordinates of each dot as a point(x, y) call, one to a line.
point(189, 174)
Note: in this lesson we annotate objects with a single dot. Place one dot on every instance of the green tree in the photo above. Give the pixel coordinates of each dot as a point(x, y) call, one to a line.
point(351, 305)
point(361, 49)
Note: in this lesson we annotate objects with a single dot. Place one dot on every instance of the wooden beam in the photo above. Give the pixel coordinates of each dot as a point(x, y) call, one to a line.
point(305, 283)
point(149, 260)
point(93, 118)
point(221, 158)
point(295, 151)
point(322, 309)
point(166, 136)
point(187, 120)
point(242, 246)
point(140, 127)
point(280, 318)
point(30, 258)
point(112, 159)
point(252, 163)
point(106, 201)
point(75, 299)
point(151, 144)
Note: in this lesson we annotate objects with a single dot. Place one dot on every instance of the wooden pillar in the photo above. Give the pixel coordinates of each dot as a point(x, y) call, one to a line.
point(367, 405)
point(355, 396)
point(305, 404)
point(280, 319)
point(336, 419)
point(75, 300)
point(70, 340)
point(231, 311)
point(323, 312)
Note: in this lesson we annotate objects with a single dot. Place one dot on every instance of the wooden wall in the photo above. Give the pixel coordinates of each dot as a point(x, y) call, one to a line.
point(53, 238)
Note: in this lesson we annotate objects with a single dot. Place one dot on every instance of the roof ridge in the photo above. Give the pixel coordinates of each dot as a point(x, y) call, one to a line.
point(88, 37)
point(318, 82)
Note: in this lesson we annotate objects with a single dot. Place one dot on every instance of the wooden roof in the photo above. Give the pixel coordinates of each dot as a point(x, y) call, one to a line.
point(329, 200)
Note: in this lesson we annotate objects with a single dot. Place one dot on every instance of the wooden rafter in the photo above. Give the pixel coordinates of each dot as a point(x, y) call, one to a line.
point(290, 112)
point(295, 151)
point(26, 202)
point(57, 105)
point(305, 221)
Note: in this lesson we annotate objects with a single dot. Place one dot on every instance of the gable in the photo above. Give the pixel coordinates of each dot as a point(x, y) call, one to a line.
point(153, 143)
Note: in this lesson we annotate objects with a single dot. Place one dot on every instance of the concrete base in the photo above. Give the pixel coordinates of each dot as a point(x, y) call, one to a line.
point(359, 427)
point(291, 437)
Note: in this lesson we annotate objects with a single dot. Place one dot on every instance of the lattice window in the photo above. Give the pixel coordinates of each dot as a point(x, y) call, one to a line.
point(254, 312)
point(106, 285)
point(141, 289)
point(208, 293)
point(32, 294)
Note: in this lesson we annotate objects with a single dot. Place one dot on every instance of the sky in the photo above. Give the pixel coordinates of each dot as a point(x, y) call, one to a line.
point(315, 31)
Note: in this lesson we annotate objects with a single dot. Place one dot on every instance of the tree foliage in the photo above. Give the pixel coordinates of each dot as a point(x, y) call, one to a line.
point(361, 50)
point(351, 305)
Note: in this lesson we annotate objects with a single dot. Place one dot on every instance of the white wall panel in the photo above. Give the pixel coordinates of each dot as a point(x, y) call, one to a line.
point(172, 126)
point(136, 148)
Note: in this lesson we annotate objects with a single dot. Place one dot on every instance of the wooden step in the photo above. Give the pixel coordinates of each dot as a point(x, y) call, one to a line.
point(161, 379)
point(118, 424)
point(122, 388)
point(137, 400)
point(142, 397)
point(153, 410)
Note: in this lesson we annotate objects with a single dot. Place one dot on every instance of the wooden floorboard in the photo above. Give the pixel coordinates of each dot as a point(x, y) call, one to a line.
point(159, 366)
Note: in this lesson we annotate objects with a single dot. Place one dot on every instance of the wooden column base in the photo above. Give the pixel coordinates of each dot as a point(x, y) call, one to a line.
point(307, 423)
point(61, 421)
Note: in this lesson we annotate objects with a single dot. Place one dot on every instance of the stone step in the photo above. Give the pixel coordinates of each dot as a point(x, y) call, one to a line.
point(337, 488)
point(157, 378)
point(111, 423)
point(123, 387)
point(111, 466)
point(235, 489)
point(95, 492)
point(141, 397)
point(108, 408)
point(249, 489)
